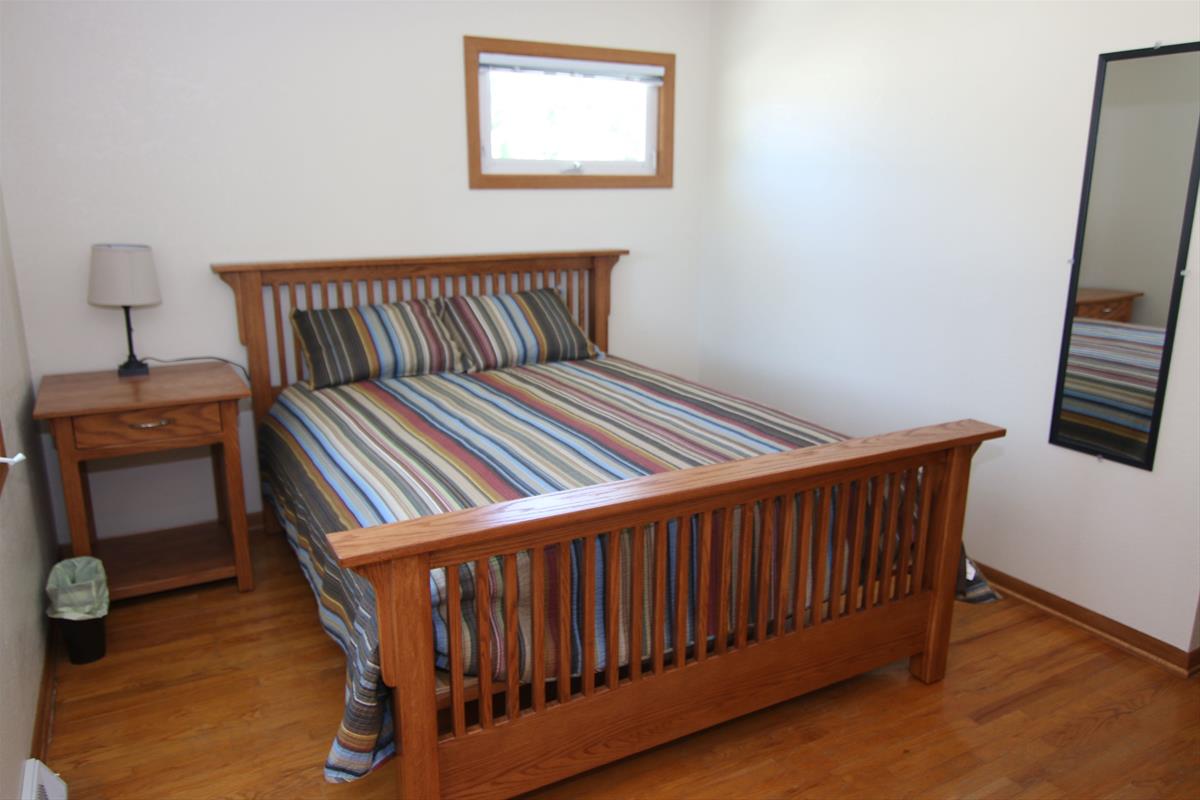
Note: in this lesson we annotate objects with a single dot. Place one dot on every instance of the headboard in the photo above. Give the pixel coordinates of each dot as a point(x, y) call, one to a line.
point(266, 294)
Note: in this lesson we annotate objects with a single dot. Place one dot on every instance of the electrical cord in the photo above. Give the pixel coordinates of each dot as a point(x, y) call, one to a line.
point(198, 358)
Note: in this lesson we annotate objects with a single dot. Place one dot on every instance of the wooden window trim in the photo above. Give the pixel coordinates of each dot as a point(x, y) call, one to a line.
point(663, 177)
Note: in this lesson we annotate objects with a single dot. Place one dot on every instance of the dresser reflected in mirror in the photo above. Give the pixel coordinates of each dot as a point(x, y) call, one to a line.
point(1136, 213)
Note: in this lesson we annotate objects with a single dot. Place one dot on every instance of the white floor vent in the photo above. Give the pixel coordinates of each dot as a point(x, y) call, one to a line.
point(39, 783)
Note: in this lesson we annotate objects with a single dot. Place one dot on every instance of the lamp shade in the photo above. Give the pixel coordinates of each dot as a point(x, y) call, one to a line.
point(123, 275)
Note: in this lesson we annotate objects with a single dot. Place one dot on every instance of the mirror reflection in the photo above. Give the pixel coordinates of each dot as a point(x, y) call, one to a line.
point(1135, 218)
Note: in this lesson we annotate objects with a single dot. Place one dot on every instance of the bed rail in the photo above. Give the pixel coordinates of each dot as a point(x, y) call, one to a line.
point(801, 569)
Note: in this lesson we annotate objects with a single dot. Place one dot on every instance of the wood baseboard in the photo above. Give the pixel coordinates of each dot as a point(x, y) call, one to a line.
point(43, 722)
point(1178, 661)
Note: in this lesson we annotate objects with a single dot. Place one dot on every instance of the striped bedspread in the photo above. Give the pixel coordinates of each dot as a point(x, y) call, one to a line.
point(381, 451)
point(1111, 384)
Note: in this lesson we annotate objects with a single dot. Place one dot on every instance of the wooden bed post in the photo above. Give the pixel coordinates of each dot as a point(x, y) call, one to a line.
point(599, 299)
point(929, 666)
point(255, 338)
point(247, 287)
point(406, 654)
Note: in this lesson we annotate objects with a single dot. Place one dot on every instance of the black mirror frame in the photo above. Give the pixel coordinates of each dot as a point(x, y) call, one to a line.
point(1189, 214)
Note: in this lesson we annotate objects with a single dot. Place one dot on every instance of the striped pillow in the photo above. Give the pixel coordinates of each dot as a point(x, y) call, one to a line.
point(505, 330)
point(343, 345)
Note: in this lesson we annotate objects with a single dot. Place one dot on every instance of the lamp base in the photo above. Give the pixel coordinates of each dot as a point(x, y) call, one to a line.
point(133, 368)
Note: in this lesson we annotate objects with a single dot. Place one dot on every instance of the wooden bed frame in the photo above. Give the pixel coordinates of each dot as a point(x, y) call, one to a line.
point(897, 536)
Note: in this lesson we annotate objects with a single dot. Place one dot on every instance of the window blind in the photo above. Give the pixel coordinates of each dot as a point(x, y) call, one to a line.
point(641, 73)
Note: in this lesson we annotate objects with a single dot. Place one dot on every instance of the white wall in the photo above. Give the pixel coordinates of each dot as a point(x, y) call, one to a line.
point(25, 539)
point(895, 202)
point(259, 131)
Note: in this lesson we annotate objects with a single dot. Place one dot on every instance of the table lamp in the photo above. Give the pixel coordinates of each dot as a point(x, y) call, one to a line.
point(123, 275)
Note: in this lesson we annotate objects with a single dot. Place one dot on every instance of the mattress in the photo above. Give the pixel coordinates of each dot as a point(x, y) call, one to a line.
point(382, 451)
point(1111, 384)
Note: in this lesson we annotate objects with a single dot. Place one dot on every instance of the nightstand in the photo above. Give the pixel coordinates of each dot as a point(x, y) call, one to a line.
point(1110, 304)
point(96, 415)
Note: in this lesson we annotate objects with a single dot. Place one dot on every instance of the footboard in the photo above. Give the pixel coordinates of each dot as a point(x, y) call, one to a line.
point(614, 618)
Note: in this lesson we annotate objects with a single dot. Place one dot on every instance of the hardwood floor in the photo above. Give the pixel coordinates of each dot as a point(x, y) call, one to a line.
point(208, 693)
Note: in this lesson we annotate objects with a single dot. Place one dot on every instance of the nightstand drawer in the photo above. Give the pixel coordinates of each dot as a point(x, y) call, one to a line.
point(147, 425)
point(1115, 310)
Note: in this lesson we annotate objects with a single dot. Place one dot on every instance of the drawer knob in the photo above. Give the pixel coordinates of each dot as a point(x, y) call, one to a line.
point(1108, 309)
point(147, 426)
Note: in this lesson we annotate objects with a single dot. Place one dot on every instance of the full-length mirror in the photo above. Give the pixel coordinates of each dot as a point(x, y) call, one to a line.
point(1135, 219)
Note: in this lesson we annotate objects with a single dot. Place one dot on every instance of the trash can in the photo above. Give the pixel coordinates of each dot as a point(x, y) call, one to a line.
point(78, 592)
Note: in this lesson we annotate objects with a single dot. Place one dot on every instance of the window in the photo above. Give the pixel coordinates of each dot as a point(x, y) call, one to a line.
point(560, 116)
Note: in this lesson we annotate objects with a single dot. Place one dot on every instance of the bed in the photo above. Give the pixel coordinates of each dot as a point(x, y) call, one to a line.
point(1111, 385)
point(679, 557)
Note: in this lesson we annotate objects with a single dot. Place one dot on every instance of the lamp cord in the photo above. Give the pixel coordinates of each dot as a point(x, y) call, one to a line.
point(198, 358)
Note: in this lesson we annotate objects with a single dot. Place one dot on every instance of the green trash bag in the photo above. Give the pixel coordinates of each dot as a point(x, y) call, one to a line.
point(78, 589)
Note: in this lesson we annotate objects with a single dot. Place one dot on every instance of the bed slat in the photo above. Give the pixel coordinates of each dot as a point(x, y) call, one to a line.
point(299, 361)
point(683, 558)
point(875, 543)
point(512, 642)
point(537, 612)
point(587, 591)
point(908, 520)
point(703, 556)
point(637, 559)
point(840, 534)
point(855, 542)
point(822, 547)
point(804, 554)
point(929, 478)
point(745, 546)
point(280, 345)
point(896, 516)
point(786, 562)
point(766, 549)
point(570, 278)
point(454, 611)
point(483, 616)
point(612, 606)
point(564, 622)
point(725, 570)
point(659, 640)
point(890, 525)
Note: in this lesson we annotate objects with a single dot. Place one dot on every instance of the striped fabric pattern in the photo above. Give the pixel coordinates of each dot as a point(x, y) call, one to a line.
point(1111, 384)
point(392, 340)
point(379, 451)
point(507, 330)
